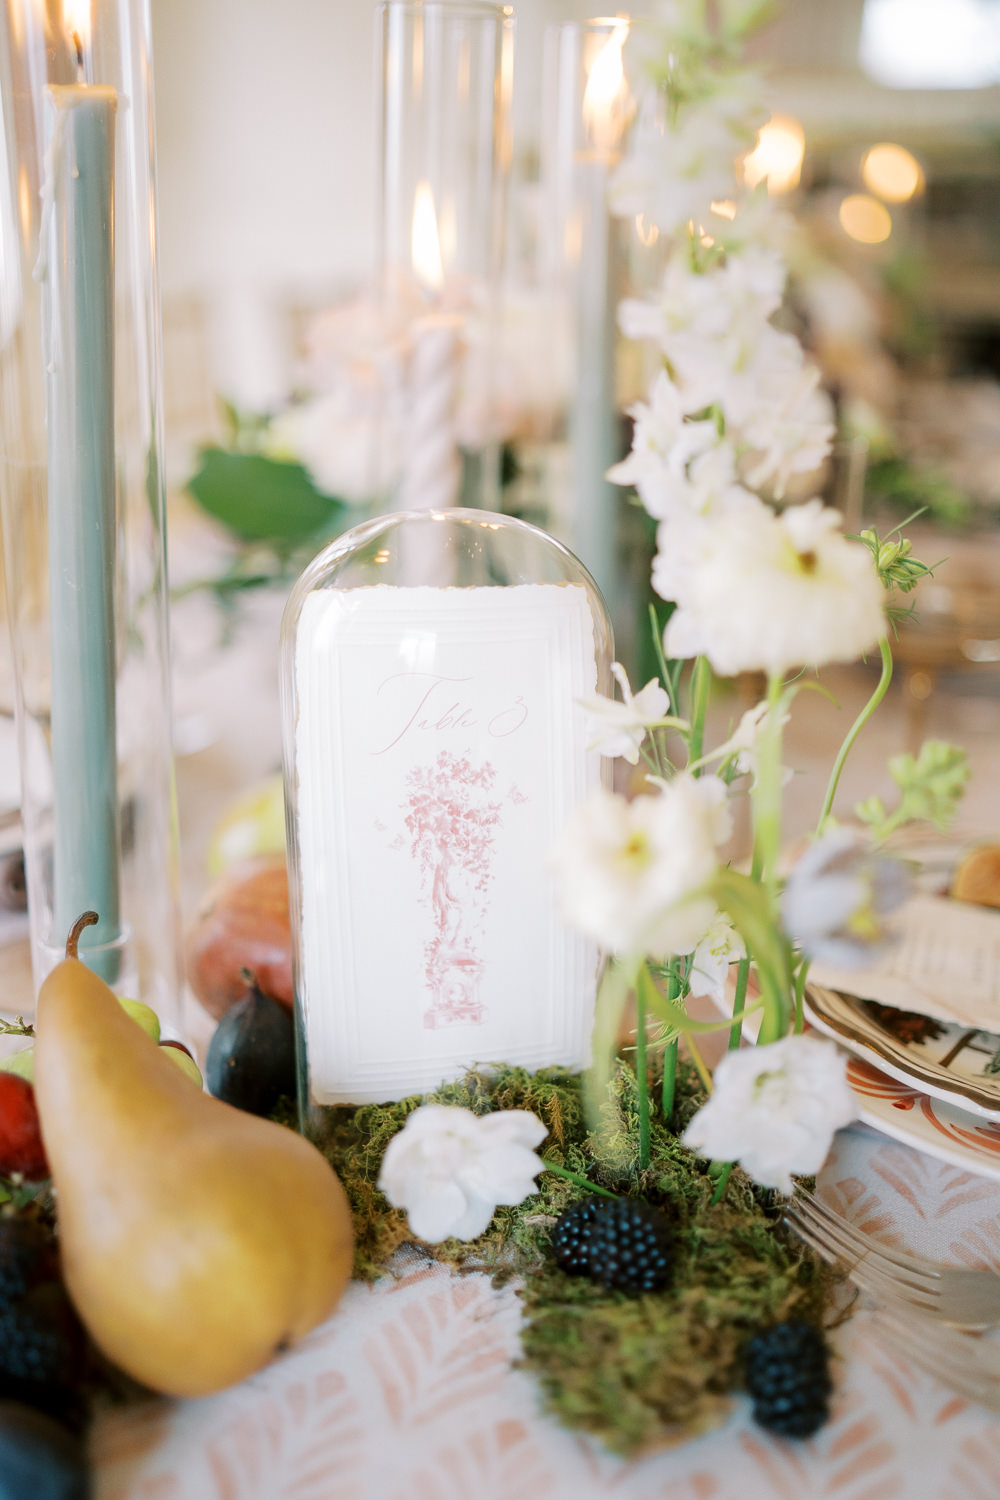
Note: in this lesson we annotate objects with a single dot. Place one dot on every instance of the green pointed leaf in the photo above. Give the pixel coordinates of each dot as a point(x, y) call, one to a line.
point(261, 499)
point(671, 1014)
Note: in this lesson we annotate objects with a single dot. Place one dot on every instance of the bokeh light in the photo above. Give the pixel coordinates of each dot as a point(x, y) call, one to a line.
point(865, 219)
point(777, 156)
point(892, 172)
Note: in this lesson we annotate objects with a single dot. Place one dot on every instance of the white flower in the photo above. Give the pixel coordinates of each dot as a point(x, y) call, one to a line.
point(631, 875)
point(760, 592)
point(449, 1169)
point(720, 947)
point(662, 445)
point(351, 444)
point(620, 728)
point(674, 176)
point(775, 1109)
point(837, 897)
point(791, 432)
point(743, 745)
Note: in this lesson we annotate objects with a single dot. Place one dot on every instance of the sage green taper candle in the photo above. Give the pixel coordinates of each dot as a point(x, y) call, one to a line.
point(79, 271)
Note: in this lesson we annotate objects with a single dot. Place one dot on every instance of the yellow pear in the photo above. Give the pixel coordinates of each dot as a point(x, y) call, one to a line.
point(197, 1240)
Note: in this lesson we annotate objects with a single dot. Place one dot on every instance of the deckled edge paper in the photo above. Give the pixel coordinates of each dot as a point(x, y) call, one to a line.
point(944, 963)
point(440, 747)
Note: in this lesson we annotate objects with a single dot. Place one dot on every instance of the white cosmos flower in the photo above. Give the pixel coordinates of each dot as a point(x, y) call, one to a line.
point(720, 947)
point(620, 728)
point(631, 875)
point(758, 592)
point(775, 1109)
point(448, 1169)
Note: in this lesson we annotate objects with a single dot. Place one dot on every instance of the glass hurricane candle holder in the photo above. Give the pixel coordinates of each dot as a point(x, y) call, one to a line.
point(433, 665)
point(444, 151)
point(81, 487)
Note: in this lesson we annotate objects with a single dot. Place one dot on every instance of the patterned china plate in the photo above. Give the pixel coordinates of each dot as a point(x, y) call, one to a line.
point(951, 1063)
point(933, 1126)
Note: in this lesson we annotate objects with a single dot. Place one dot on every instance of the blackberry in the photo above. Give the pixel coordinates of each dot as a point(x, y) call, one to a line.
point(623, 1244)
point(40, 1343)
point(27, 1258)
point(571, 1237)
point(41, 1340)
point(788, 1376)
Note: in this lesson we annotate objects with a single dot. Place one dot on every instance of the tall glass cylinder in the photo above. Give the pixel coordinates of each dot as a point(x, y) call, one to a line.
point(81, 487)
point(586, 107)
point(444, 150)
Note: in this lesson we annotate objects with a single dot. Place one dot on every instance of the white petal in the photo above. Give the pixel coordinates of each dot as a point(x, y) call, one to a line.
point(439, 1214)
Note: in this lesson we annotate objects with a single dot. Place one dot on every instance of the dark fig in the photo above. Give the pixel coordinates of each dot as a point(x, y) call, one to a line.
point(251, 1057)
point(39, 1458)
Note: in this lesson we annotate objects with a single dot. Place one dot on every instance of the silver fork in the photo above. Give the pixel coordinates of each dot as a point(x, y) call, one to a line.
point(950, 1294)
point(962, 1362)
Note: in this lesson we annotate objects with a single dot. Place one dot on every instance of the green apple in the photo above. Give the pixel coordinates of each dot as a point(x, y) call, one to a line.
point(184, 1061)
point(22, 1063)
point(142, 1016)
point(253, 824)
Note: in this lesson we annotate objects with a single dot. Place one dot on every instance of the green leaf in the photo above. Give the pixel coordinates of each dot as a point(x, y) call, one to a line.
point(261, 499)
point(672, 1015)
point(747, 905)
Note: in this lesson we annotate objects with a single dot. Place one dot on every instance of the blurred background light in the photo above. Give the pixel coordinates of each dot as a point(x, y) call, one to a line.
point(865, 219)
point(931, 44)
point(892, 172)
point(777, 155)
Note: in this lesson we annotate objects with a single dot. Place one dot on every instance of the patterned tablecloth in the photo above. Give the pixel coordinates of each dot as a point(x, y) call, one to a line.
point(409, 1393)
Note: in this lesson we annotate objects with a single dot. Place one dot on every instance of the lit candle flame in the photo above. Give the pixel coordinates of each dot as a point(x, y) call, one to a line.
point(76, 20)
point(425, 243)
point(603, 98)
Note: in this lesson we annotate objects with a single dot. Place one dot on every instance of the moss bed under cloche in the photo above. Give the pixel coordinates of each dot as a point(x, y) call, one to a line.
point(635, 1371)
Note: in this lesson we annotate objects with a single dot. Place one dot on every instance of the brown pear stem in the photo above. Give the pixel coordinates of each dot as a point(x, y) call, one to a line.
point(87, 920)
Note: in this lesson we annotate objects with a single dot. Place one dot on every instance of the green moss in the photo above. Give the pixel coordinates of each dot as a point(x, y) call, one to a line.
point(634, 1371)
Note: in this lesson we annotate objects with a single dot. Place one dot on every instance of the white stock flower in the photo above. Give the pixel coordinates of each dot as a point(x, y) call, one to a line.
point(837, 897)
point(673, 176)
point(758, 592)
point(791, 431)
point(620, 728)
point(775, 1110)
point(631, 875)
point(720, 947)
point(663, 443)
point(449, 1169)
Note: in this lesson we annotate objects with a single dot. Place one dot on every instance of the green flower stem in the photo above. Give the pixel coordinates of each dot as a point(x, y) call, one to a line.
point(583, 1182)
point(701, 680)
point(670, 1056)
point(855, 730)
point(723, 1183)
point(742, 978)
point(698, 1061)
point(739, 1000)
point(800, 989)
point(766, 795)
point(642, 1076)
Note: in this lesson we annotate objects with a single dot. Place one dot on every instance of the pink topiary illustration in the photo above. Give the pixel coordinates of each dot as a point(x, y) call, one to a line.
point(450, 821)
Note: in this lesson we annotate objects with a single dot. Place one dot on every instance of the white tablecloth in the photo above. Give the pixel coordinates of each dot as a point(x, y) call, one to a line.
point(410, 1393)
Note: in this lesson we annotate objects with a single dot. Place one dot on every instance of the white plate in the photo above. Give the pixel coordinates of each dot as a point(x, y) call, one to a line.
point(950, 1062)
point(900, 1110)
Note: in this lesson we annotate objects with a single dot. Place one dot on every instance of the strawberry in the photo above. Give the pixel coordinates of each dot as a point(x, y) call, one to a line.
point(21, 1148)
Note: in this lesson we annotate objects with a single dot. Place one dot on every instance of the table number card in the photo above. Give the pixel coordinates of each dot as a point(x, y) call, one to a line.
point(439, 748)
